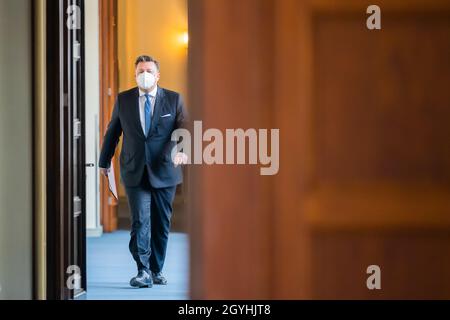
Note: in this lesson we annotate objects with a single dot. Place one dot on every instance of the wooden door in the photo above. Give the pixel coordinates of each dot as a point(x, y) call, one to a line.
point(378, 189)
point(364, 151)
point(66, 216)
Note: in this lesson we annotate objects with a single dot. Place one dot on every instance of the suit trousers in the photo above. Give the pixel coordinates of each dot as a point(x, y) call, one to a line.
point(151, 212)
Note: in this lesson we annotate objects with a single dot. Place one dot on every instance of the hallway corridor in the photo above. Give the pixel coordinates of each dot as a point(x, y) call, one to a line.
point(110, 267)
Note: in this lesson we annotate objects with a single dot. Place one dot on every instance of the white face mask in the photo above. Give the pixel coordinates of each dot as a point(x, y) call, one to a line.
point(145, 80)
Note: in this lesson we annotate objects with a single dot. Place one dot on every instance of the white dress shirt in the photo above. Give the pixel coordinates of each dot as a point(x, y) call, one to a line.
point(142, 105)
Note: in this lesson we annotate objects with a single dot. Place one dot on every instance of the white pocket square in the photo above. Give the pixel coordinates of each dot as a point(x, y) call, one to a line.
point(166, 115)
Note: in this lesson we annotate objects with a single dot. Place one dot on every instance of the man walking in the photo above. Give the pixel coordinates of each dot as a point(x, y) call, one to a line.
point(147, 115)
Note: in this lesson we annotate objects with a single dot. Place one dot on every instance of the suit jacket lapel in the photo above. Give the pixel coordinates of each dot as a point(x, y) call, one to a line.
point(159, 105)
point(136, 117)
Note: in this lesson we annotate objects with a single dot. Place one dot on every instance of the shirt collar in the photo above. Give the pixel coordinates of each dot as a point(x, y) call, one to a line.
point(152, 93)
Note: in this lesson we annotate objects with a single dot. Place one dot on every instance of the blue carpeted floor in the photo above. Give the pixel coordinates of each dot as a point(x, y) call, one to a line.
point(110, 267)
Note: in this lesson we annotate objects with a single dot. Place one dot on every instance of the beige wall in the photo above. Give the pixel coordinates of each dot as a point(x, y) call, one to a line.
point(155, 28)
point(16, 150)
point(92, 69)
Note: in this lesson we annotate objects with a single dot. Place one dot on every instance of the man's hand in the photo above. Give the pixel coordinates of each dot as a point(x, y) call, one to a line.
point(104, 171)
point(179, 159)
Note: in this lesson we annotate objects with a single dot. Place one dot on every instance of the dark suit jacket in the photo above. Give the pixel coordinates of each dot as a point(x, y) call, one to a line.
point(125, 119)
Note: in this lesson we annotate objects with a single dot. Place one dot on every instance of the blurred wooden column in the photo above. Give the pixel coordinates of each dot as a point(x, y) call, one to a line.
point(364, 152)
point(231, 72)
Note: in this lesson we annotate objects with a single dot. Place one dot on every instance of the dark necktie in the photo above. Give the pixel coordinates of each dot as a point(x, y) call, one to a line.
point(148, 114)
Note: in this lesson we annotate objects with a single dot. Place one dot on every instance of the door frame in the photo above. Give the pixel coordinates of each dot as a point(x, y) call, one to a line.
point(39, 150)
point(108, 92)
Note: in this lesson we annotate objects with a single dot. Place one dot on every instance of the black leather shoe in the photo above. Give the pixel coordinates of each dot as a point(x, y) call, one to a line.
point(142, 280)
point(158, 278)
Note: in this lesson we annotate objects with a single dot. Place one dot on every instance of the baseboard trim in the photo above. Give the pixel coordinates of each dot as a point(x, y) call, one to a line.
point(94, 232)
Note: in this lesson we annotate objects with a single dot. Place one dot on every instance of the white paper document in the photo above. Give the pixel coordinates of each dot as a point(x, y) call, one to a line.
point(112, 182)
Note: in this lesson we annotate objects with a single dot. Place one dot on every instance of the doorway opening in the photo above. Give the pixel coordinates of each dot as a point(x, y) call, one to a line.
point(117, 31)
point(90, 48)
